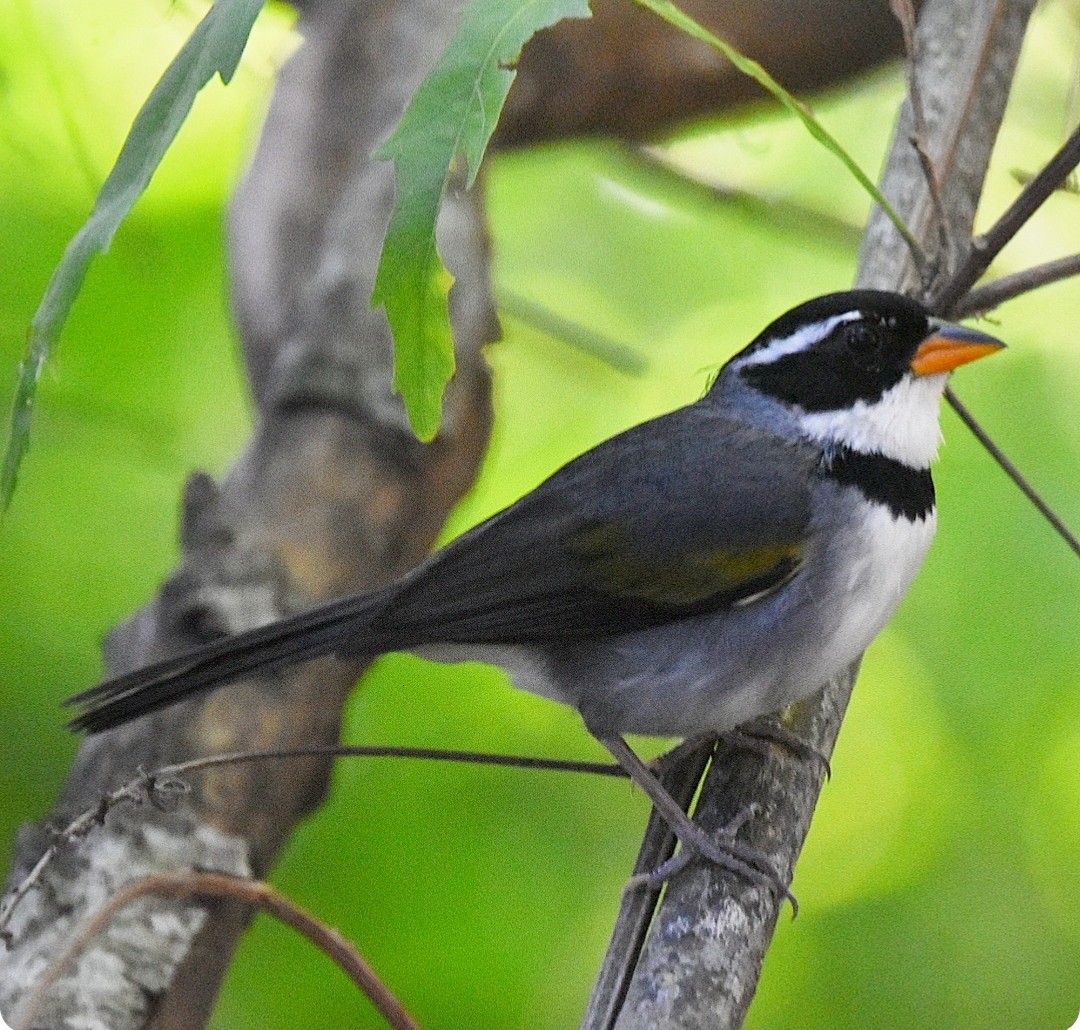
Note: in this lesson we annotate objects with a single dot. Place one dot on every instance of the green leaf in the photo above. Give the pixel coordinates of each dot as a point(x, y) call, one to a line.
point(453, 113)
point(674, 16)
point(214, 48)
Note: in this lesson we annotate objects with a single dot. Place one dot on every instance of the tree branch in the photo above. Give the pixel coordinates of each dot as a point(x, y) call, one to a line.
point(1010, 469)
point(209, 886)
point(986, 298)
point(332, 495)
point(701, 965)
point(985, 248)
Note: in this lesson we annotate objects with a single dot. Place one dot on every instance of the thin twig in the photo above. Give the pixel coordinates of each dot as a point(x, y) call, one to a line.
point(162, 787)
point(1012, 471)
point(252, 892)
point(954, 298)
point(390, 751)
point(904, 12)
point(985, 298)
point(986, 247)
point(604, 348)
point(141, 787)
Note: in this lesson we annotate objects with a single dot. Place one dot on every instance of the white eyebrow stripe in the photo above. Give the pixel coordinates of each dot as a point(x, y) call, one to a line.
point(800, 339)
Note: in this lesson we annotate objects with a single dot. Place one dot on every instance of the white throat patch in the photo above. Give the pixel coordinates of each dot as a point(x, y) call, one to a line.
point(904, 423)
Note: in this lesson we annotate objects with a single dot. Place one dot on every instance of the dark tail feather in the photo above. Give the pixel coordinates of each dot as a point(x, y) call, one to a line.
point(275, 646)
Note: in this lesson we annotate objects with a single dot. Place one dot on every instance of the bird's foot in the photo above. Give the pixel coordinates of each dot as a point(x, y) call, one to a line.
point(761, 734)
point(726, 852)
point(722, 850)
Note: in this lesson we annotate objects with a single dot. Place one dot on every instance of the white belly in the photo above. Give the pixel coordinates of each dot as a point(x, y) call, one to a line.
point(712, 673)
point(877, 563)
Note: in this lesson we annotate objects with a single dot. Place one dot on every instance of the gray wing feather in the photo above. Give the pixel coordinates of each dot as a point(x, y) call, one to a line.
point(689, 483)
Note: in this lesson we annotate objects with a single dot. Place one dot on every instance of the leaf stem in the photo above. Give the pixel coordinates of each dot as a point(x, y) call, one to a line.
point(674, 16)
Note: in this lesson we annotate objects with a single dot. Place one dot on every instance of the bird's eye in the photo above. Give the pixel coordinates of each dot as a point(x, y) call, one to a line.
point(863, 342)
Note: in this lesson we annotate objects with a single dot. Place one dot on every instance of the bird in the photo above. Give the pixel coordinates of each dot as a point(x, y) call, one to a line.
point(709, 566)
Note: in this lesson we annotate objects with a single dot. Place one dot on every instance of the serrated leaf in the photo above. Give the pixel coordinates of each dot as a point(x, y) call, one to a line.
point(452, 115)
point(214, 48)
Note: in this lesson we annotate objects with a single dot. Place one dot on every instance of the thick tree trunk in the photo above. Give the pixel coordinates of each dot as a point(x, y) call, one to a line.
point(332, 495)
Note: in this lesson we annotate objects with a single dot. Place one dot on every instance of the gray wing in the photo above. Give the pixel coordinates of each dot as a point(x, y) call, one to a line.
point(688, 513)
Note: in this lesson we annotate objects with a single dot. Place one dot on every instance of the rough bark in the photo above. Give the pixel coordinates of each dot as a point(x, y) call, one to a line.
point(332, 495)
point(705, 951)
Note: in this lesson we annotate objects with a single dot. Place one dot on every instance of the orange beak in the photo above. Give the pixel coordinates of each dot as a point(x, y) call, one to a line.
point(950, 346)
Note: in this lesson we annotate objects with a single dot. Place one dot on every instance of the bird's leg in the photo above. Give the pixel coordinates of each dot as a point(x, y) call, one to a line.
point(730, 855)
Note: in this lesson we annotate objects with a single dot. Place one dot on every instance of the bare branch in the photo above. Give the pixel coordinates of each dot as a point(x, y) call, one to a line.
point(636, 78)
point(704, 955)
point(163, 788)
point(332, 495)
point(986, 298)
point(904, 12)
point(299, 233)
point(1013, 472)
point(150, 787)
point(680, 771)
point(987, 246)
point(202, 886)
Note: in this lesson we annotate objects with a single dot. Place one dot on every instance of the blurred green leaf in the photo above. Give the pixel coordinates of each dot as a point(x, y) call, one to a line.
point(214, 48)
point(454, 113)
point(601, 346)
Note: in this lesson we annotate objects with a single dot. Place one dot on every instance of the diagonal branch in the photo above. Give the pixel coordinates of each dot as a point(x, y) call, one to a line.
point(1013, 472)
point(331, 495)
point(987, 247)
point(192, 884)
point(989, 296)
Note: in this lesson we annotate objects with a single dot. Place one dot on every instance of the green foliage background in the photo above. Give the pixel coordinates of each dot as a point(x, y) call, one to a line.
point(938, 884)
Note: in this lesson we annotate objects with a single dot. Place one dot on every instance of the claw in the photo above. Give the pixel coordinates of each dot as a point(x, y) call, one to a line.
point(757, 736)
point(728, 853)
